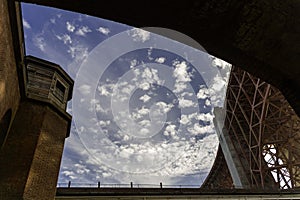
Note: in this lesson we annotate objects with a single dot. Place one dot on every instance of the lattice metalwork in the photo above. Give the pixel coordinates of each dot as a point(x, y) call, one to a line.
point(265, 132)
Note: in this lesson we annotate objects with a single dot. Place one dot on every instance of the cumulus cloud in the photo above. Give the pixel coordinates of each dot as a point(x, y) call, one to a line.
point(104, 31)
point(83, 30)
point(145, 98)
point(65, 38)
point(147, 77)
point(70, 27)
point(26, 24)
point(53, 20)
point(216, 62)
point(84, 89)
point(185, 103)
point(145, 123)
point(39, 42)
point(164, 107)
point(106, 89)
point(203, 93)
point(140, 35)
point(218, 85)
point(133, 63)
point(78, 52)
point(160, 60)
point(181, 76)
point(185, 120)
point(180, 72)
point(206, 117)
point(170, 130)
point(198, 129)
point(104, 123)
point(143, 111)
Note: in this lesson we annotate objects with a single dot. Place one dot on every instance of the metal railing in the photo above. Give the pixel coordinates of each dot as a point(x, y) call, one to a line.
point(118, 185)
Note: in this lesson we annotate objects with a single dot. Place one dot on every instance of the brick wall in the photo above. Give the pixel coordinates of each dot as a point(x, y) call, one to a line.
point(9, 86)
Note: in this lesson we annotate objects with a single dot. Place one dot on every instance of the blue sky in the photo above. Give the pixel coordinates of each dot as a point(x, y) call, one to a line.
point(142, 104)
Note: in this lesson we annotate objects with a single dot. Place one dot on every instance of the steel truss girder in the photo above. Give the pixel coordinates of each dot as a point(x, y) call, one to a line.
point(265, 132)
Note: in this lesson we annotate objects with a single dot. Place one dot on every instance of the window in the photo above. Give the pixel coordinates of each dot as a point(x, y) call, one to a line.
point(60, 90)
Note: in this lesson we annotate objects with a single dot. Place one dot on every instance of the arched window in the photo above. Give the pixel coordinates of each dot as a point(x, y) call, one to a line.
point(4, 125)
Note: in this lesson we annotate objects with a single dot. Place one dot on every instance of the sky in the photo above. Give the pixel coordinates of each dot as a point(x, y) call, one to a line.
point(142, 104)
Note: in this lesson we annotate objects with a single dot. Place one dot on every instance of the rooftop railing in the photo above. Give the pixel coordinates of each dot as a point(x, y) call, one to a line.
point(117, 185)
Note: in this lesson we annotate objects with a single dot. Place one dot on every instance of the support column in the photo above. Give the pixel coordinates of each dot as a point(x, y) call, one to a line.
point(30, 158)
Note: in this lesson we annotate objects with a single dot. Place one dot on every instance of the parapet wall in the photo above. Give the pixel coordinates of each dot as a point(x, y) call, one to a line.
point(9, 85)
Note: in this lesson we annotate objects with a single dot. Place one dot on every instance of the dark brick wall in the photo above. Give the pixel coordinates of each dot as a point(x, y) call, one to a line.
point(30, 160)
point(9, 86)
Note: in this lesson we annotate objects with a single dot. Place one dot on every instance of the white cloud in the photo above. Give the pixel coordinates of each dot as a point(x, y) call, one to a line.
point(126, 152)
point(84, 89)
point(65, 38)
point(143, 111)
point(198, 129)
point(206, 117)
point(39, 42)
point(78, 52)
point(207, 102)
point(218, 90)
point(216, 62)
point(149, 53)
point(185, 103)
point(106, 174)
point(149, 73)
point(185, 120)
point(179, 87)
point(145, 123)
point(203, 93)
point(82, 31)
point(145, 98)
point(106, 89)
point(160, 60)
point(218, 84)
point(104, 31)
point(67, 173)
point(104, 123)
point(144, 86)
point(164, 107)
point(26, 24)
point(143, 79)
point(180, 72)
point(133, 63)
point(181, 76)
point(53, 20)
point(70, 27)
point(144, 132)
point(140, 35)
point(170, 130)
point(127, 89)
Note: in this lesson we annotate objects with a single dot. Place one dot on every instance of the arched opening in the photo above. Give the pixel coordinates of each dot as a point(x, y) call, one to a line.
point(4, 126)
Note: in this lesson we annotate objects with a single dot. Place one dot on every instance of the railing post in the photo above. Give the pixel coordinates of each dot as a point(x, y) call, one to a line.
point(69, 184)
point(160, 184)
point(131, 184)
point(98, 184)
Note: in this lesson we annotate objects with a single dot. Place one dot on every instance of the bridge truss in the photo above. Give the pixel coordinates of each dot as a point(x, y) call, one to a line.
point(265, 133)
